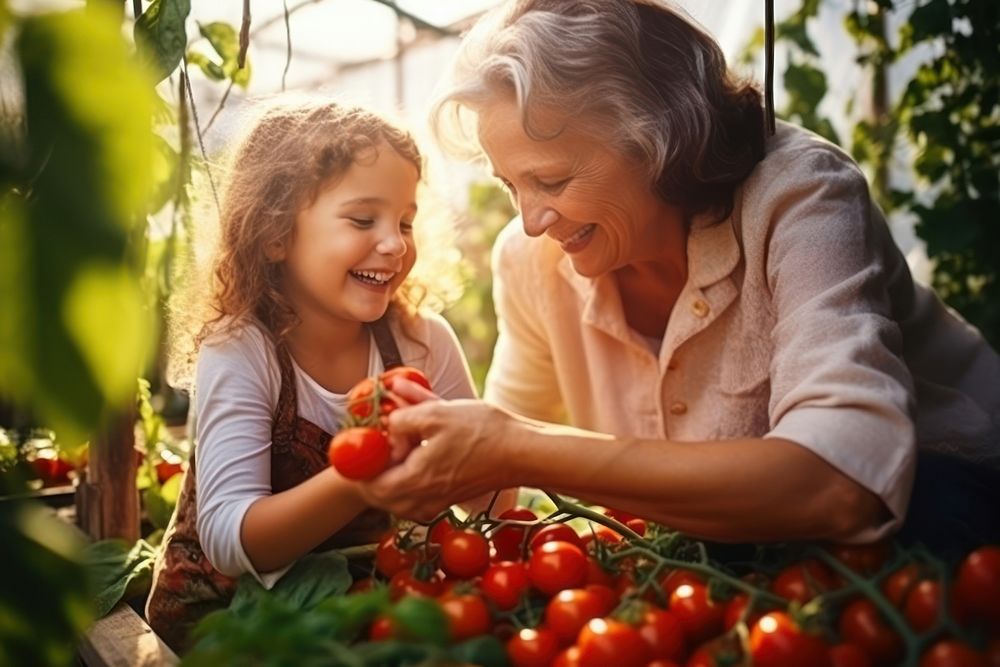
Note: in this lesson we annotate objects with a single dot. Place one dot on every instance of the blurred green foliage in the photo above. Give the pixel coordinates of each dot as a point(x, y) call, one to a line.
point(948, 117)
point(472, 316)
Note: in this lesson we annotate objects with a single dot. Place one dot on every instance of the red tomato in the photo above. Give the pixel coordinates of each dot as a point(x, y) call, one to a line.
point(437, 534)
point(993, 652)
point(802, 581)
point(405, 583)
point(977, 585)
point(468, 615)
point(849, 655)
point(507, 540)
point(389, 558)
point(700, 617)
point(361, 398)
point(662, 663)
point(505, 583)
point(922, 605)
point(556, 566)
point(619, 515)
point(569, 610)
point(723, 651)
point(598, 575)
point(865, 559)
point(638, 526)
point(382, 628)
point(671, 580)
point(605, 641)
point(605, 534)
point(899, 584)
point(605, 593)
point(533, 648)
point(952, 653)
point(410, 373)
point(663, 634)
point(165, 470)
point(568, 658)
point(734, 612)
point(362, 585)
point(555, 532)
point(464, 554)
point(861, 624)
point(776, 641)
point(359, 453)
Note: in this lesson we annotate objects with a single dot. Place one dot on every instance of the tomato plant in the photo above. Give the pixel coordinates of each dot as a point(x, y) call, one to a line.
point(898, 584)
point(464, 554)
point(977, 585)
point(505, 583)
point(663, 633)
point(776, 641)
point(922, 605)
point(802, 581)
point(865, 559)
point(569, 610)
point(468, 615)
point(406, 583)
point(359, 453)
point(700, 617)
point(389, 558)
point(848, 655)
point(361, 399)
point(556, 566)
point(533, 648)
point(555, 532)
point(605, 641)
point(861, 624)
point(951, 653)
point(507, 540)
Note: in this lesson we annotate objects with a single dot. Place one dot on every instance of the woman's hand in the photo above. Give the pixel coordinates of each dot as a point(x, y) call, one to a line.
point(451, 451)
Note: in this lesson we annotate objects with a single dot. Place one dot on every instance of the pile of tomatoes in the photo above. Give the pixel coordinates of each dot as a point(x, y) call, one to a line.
point(360, 450)
point(628, 593)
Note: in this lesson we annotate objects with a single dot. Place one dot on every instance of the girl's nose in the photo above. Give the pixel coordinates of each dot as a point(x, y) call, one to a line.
point(392, 244)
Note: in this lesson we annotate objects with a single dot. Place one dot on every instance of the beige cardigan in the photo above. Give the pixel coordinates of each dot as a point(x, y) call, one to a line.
point(799, 320)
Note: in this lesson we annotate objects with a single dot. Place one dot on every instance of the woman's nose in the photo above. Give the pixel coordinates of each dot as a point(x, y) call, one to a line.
point(538, 219)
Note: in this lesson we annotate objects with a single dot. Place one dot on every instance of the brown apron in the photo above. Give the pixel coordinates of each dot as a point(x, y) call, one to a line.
point(185, 585)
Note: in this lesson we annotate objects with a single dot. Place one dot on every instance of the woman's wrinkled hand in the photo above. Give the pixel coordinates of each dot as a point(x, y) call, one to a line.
point(450, 452)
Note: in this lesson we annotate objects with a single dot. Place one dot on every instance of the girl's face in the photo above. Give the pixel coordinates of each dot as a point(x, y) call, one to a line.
point(596, 203)
point(353, 246)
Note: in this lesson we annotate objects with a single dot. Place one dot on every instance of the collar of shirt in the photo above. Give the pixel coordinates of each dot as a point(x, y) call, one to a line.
point(713, 254)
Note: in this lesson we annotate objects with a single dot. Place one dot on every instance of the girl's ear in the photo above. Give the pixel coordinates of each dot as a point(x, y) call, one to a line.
point(275, 251)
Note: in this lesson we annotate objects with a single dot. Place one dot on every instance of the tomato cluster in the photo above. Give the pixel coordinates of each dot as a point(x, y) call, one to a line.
point(360, 450)
point(628, 596)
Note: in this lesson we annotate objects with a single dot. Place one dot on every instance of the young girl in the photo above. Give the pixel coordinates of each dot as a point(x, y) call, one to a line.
point(309, 295)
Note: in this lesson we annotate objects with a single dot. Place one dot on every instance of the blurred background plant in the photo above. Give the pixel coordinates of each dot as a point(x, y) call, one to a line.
point(104, 145)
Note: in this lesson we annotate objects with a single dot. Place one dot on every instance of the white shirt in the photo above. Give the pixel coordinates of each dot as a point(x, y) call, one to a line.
point(237, 384)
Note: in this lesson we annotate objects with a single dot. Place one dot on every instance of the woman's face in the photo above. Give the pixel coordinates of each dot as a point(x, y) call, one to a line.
point(594, 202)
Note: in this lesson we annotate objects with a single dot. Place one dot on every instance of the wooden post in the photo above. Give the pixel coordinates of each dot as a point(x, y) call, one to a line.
point(107, 501)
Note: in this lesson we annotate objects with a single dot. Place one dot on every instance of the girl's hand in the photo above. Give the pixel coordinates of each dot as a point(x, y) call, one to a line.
point(465, 453)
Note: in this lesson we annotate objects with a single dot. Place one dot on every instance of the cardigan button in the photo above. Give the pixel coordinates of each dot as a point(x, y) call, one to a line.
point(678, 408)
point(699, 308)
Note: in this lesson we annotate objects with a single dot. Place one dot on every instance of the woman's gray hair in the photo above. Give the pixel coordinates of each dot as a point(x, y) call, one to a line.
point(638, 70)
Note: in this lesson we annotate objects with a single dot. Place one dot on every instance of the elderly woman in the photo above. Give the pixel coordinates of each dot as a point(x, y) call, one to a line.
point(700, 323)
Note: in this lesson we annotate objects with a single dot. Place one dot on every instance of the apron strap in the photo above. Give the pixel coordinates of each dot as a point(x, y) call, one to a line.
point(386, 343)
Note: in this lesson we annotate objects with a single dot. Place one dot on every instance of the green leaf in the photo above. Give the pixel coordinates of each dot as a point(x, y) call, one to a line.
point(160, 34)
point(44, 601)
point(82, 331)
point(808, 84)
point(117, 571)
point(420, 619)
point(225, 41)
point(312, 579)
point(211, 69)
point(487, 651)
